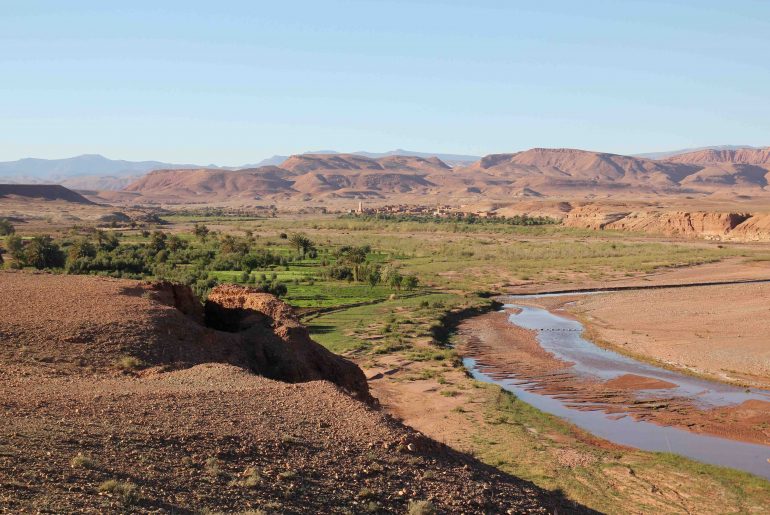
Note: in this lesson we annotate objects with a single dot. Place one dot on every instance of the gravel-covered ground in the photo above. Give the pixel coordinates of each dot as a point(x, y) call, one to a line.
point(77, 437)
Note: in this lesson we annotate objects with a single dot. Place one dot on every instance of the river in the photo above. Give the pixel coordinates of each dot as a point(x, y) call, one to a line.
point(563, 338)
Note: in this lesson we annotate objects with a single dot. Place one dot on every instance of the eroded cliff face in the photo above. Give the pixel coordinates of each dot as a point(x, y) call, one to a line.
point(85, 325)
point(680, 223)
point(755, 228)
point(280, 347)
point(688, 224)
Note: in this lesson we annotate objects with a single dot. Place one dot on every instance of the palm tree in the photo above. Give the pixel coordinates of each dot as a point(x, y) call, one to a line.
point(302, 243)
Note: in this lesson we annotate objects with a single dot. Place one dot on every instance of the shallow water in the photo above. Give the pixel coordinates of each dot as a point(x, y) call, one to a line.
point(563, 338)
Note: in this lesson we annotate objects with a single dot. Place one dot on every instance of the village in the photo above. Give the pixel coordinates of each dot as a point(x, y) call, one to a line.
point(438, 211)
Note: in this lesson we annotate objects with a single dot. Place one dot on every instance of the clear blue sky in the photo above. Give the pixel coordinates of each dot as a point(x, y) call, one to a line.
point(232, 82)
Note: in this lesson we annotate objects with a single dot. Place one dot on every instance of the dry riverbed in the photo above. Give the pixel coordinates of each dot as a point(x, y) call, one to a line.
point(722, 332)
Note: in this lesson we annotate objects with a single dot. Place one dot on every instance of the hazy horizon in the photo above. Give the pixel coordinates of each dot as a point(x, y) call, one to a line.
point(236, 83)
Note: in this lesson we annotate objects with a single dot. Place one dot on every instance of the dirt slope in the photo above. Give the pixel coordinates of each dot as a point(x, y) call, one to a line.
point(79, 324)
point(211, 436)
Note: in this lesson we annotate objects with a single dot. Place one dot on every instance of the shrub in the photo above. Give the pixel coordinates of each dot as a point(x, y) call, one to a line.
point(15, 247)
point(41, 252)
point(213, 467)
point(421, 508)
point(251, 478)
point(6, 229)
point(365, 493)
point(82, 461)
point(201, 231)
point(126, 491)
point(411, 282)
point(128, 363)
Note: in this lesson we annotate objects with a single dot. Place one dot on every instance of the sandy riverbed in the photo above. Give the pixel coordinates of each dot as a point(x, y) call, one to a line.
point(719, 331)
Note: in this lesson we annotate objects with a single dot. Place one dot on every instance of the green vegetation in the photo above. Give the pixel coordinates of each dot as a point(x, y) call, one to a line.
point(554, 454)
point(397, 324)
point(456, 219)
point(293, 266)
point(6, 228)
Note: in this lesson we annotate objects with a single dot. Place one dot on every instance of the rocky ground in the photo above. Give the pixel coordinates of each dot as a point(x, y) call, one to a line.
point(87, 428)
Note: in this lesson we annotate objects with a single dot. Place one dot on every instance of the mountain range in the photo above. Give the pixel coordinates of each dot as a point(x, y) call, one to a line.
point(88, 170)
point(532, 173)
point(403, 175)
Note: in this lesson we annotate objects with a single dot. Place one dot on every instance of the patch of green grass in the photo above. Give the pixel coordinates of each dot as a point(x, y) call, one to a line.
point(361, 328)
point(324, 294)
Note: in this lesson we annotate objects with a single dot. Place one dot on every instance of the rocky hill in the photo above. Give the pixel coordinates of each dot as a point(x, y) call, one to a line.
point(561, 168)
point(747, 156)
point(316, 176)
point(119, 396)
point(207, 184)
point(565, 173)
point(41, 192)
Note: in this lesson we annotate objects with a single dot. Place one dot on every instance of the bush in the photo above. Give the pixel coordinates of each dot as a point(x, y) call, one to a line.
point(41, 252)
point(81, 462)
point(6, 229)
point(411, 282)
point(128, 363)
point(421, 508)
point(340, 273)
point(127, 492)
point(275, 288)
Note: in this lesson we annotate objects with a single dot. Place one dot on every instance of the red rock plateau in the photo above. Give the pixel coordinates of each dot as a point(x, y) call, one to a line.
point(49, 192)
point(749, 156)
point(118, 397)
point(696, 224)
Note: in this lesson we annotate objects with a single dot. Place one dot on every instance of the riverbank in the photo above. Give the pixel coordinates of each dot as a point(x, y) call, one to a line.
point(423, 383)
point(504, 352)
point(442, 401)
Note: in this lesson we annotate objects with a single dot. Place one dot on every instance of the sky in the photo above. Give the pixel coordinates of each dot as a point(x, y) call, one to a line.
point(232, 82)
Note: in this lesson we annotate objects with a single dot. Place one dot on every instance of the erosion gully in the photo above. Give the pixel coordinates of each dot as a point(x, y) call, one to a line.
point(563, 338)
